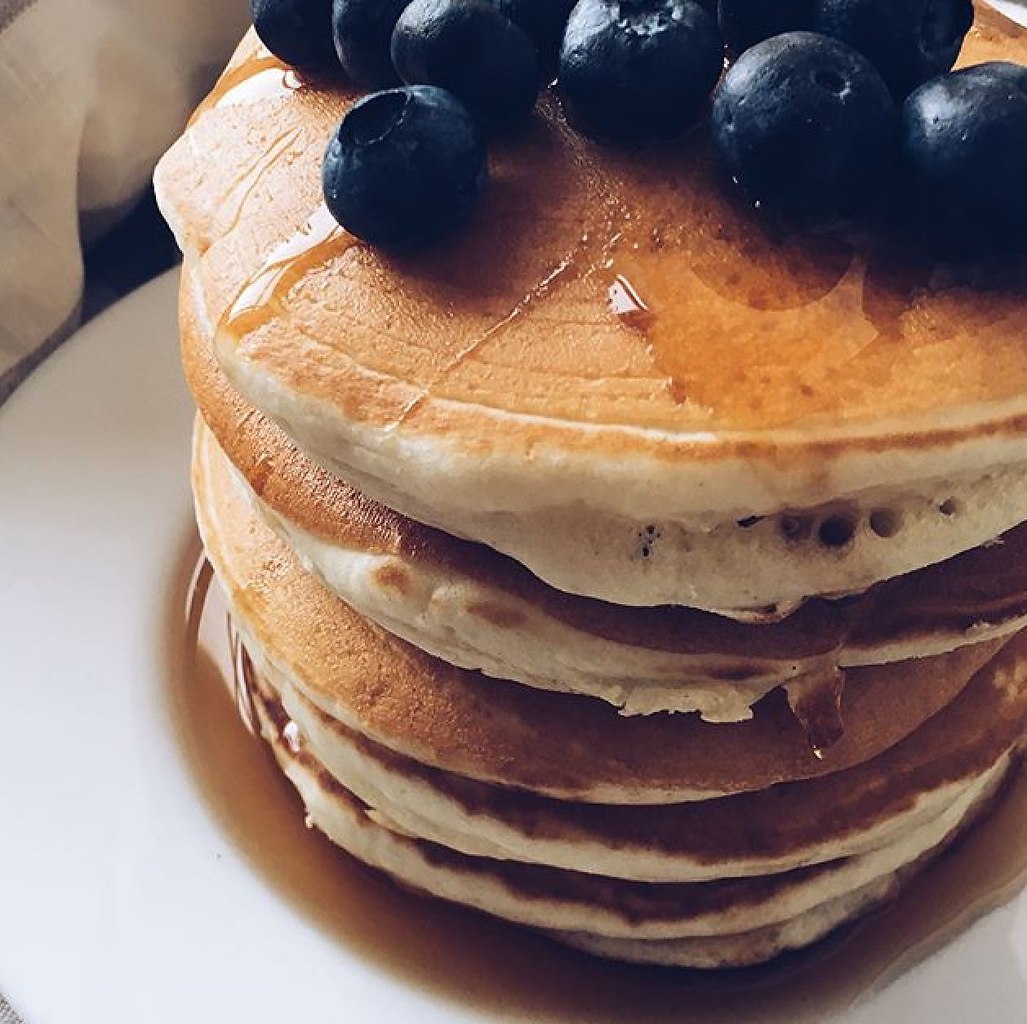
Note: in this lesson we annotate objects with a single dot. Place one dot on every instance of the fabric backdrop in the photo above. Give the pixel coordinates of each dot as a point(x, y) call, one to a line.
point(91, 92)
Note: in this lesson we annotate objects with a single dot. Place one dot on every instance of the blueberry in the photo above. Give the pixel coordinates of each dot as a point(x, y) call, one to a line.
point(469, 48)
point(745, 23)
point(638, 68)
point(363, 34)
point(804, 124)
point(404, 166)
point(542, 20)
point(964, 151)
point(910, 41)
point(297, 31)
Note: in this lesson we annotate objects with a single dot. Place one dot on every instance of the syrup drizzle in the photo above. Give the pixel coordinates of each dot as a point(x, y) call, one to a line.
point(649, 272)
point(731, 274)
point(262, 77)
point(816, 701)
point(540, 291)
point(200, 604)
point(262, 297)
point(284, 146)
point(589, 255)
point(321, 240)
point(271, 83)
point(258, 66)
point(243, 678)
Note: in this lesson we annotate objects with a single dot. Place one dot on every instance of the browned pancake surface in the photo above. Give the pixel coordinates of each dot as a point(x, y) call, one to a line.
point(555, 743)
point(746, 330)
point(960, 743)
point(633, 902)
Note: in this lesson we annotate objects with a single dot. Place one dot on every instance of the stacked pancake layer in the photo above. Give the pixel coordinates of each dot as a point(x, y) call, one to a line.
point(678, 667)
point(549, 810)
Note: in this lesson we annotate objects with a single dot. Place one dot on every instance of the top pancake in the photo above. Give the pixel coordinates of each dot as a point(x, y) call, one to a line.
point(486, 612)
point(492, 374)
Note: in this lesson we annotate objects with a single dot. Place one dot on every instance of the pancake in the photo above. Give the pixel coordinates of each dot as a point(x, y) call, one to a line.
point(556, 744)
point(474, 608)
point(489, 387)
point(625, 919)
point(872, 806)
point(614, 439)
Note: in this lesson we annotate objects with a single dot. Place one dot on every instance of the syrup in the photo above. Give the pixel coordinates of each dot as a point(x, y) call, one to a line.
point(273, 82)
point(510, 973)
point(318, 241)
point(678, 305)
point(261, 75)
point(285, 146)
point(816, 701)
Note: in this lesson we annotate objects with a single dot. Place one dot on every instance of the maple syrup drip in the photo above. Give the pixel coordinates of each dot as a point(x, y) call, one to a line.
point(262, 77)
point(258, 66)
point(541, 290)
point(247, 185)
point(267, 84)
point(262, 297)
point(816, 701)
point(196, 594)
point(243, 679)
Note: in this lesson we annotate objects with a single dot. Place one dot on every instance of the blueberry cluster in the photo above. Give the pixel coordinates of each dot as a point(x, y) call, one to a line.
point(408, 161)
point(828, 102)
point(908, 41)
point(832, 105)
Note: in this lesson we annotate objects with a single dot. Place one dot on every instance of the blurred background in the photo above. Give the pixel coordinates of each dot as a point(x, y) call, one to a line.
point(92, 93)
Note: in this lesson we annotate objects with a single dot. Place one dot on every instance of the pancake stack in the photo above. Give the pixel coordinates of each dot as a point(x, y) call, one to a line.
point(613, 567)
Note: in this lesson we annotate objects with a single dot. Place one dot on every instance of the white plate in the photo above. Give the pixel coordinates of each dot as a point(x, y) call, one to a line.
point(135, 885)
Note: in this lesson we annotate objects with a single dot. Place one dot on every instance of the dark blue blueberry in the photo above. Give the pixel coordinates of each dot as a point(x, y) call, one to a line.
point(745, 23)
point(297, 31)
point(542, 20)
point(909, 41)
point(469, 48)
point(636, 69)
point(964, 150)
point(804, 124)
point(363, 35)
point(404, 166)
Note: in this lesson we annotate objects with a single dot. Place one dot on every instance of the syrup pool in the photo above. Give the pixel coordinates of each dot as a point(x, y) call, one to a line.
point(503, 971)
